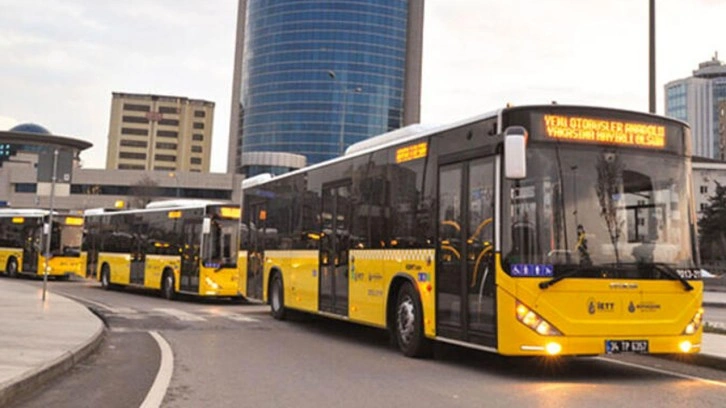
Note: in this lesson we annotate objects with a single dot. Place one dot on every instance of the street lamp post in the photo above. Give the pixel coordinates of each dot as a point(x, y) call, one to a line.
point(346, 91)
point(176, 182)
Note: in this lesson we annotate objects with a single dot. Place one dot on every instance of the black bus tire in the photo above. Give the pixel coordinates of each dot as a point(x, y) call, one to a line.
point(11, 269)
point(105, 277)
point(167, 285)
point(277, 297)
point(408, 324)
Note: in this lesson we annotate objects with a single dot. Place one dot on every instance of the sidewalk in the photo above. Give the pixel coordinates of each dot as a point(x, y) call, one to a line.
point(39, 341)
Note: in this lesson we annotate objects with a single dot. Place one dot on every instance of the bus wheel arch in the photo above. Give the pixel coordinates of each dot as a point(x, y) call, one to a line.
point(105, 276)
point(168, 284)
point(11, 268)
point(276, 291)
point(405, 319)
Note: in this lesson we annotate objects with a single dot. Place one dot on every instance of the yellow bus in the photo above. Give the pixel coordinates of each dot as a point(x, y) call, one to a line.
point(528, 231)
point(23, 249)
point(176, 247)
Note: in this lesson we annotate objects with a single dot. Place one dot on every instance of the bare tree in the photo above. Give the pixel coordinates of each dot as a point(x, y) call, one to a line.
point(609, 174)
point(143, 192)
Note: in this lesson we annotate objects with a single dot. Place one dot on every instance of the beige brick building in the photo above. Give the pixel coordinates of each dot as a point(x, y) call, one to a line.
point(155, 132)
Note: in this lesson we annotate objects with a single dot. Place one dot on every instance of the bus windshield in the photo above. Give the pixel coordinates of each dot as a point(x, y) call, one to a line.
point(610, 212)
point(222, 243)
point(66, 239)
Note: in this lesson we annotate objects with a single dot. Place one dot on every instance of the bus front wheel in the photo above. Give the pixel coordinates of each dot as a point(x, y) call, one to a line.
point(11, 269)
point(167, 286)
point(106, 277)
point(409, 324)
point(277, 297)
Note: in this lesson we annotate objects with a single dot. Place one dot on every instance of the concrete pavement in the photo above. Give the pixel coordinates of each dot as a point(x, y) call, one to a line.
point(39, 341)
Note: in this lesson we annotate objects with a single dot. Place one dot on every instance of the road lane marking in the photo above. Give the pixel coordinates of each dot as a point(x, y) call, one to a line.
point(180, 314)
point(234, 316)
point(666, 372)
point(163, 377)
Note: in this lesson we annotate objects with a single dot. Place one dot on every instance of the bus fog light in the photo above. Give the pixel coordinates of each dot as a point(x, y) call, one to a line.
point(685, 346)
point(553, 348)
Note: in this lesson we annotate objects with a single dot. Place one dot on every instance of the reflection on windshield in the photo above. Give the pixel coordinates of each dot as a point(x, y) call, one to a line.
point(605, 207)
point(66, 240)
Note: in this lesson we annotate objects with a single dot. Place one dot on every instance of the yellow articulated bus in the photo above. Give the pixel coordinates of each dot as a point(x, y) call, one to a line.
point(184, 246)
point(23, 235)
point(529, 231)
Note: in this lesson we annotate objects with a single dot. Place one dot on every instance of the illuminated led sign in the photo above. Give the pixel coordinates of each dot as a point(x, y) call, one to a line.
point(411, 152)
point(74, 221)
point(174, 214)
point(230, 212)
point(18, 220)
point(607, 131)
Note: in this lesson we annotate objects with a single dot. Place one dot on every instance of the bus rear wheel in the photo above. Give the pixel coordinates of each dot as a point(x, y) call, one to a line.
point(11, 269)
point(277, 297)
point(167, 286)
point(106, 277)
point(408, 325)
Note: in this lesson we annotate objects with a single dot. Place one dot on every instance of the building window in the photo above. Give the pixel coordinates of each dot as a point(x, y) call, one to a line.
point(198, 125)
point(130, 167)
point(132, 131)
point(196, 149)
point(704, 189)
point(703, 206)
point(167, 133)
point(135, 119)
point(169, 122)
point(198, 137)
point(164, 168)
point(133, 143)
point(168, 109)
point(136, 108)
point(165, 157)
point(168, 146)
point(131, 155)
point(196, 160)
point(200, 114)
point(26, 188)
point(195, 171)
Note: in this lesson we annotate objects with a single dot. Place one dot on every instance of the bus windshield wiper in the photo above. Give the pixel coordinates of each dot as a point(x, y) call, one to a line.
point(568, 271)
point(672, 273)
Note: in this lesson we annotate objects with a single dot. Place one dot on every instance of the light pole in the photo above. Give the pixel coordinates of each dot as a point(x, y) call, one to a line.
point(176, 181)
point(346, 91)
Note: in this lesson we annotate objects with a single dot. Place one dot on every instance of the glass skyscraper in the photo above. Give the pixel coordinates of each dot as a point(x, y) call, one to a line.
point(313, 77)
point(700, 100)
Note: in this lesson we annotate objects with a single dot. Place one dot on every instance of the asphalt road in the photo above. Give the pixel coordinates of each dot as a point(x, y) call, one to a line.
point(232, 354)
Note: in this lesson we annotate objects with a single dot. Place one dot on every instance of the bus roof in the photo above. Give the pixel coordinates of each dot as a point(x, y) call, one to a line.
point(25, 212)
point(182, 203)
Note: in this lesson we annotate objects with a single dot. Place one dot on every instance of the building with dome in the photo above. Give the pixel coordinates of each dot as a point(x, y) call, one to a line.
point(23, 145)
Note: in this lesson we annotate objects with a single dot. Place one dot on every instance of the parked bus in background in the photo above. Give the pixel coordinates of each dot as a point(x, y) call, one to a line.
point(528, 231)
point(23, 243)
point(180, 246)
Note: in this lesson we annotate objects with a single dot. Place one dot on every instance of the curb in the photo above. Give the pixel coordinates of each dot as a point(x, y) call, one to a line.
point(700, 359)
point(32, 380)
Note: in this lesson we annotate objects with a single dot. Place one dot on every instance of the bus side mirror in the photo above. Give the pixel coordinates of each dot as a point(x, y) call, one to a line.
point(206, 226)
point(515, 152)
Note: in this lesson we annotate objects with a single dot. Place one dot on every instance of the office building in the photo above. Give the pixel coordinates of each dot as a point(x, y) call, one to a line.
point(699, 100)
point(313, 77)
point(155, 132)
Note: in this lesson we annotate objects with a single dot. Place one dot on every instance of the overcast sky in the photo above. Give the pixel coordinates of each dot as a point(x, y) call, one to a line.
point(61, 60)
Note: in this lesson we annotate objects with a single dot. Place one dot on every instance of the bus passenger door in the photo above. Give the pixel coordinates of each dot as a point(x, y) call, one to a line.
point(138, 261)
point(32, 247)
point(334, 247)
point(256, 255)
point(465, 271)
point(191, 251)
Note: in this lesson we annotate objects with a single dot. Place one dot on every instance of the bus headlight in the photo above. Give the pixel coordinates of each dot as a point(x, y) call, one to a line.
point(695, 323)
point(534, 321)
point(212, 284)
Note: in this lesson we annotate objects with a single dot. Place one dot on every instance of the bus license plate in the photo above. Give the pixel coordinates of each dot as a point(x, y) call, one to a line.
point(626, 346)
